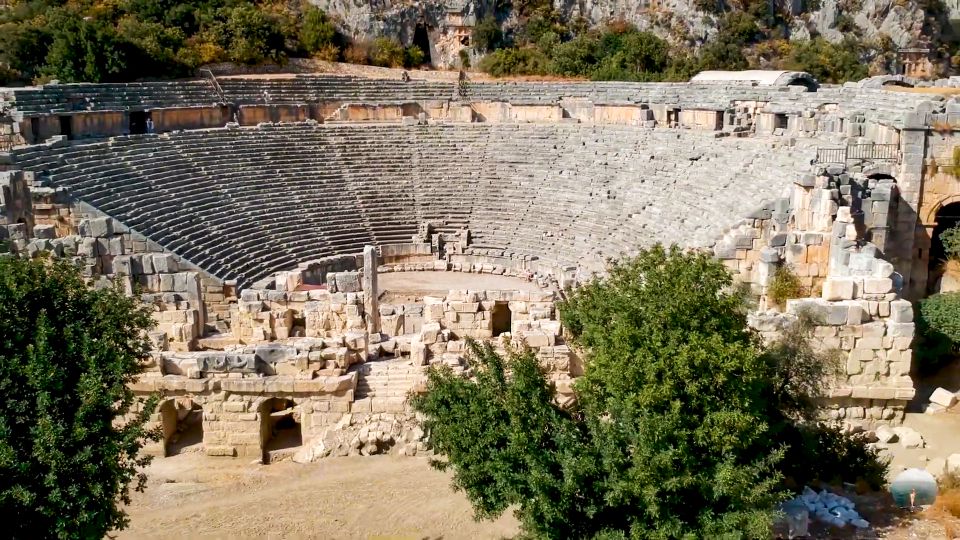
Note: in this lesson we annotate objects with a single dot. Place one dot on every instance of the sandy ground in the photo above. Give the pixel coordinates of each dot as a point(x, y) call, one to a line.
point(194, 496)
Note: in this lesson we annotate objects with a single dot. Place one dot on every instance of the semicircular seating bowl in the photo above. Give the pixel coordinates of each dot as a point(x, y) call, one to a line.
point(244, 203)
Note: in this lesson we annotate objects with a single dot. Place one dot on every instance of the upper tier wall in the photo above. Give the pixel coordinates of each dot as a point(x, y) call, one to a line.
point(878, 105)
point(244, 203)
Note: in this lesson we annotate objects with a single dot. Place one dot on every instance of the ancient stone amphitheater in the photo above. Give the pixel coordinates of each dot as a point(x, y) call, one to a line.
point(309, 244)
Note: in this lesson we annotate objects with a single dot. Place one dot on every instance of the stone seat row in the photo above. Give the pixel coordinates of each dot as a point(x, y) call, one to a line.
point(254, 201)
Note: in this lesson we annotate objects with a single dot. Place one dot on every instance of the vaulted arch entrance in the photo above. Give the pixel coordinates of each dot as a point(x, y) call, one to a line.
point(943, 277)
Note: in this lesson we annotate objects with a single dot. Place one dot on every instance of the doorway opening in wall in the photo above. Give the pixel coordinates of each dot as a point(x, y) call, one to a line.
point(779, 121)
point(280, 433)
point(138, 122)
point(66, 126)
point(182, 425)
point(35, 130)
point(944, 273)
point(422, 40)
point(501, 318)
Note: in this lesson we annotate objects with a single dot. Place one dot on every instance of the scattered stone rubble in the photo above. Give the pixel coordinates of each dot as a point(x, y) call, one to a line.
point(826, 507)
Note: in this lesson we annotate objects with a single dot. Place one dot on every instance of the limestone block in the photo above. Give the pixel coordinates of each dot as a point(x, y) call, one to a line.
point(465, 307)
point(838, 289)
point(46, 232)
point(855, 314)
point(164, 263)
point(220, 450)
point(418, 353)
point(885, 435)
point(908, 437)
point(96, 227)
point(429, 333)
point(897, 330)
point(877, 285)
point(433, 312)
point(943, 397)
point(882, 269)
point(538, 339)
point(348, 282)
point(901, 311)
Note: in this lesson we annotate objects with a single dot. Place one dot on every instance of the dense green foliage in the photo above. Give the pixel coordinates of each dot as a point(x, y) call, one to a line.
point(938, 326)
point(125, 40)
point(750, 35)
point(682, 421)
point(68, 439)
point(93, 40)
point(784, 285)
point(950, 239)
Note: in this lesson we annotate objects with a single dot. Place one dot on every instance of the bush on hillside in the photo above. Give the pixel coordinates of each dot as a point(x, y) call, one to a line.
point(317, 33)
point(523, 61)
point(487, 35)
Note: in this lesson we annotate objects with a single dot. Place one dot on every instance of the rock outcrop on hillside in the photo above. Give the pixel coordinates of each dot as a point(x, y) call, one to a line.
point(905, 23)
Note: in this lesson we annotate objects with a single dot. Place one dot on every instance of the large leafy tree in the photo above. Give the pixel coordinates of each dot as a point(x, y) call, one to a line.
point(680, 425)
point(69, 433)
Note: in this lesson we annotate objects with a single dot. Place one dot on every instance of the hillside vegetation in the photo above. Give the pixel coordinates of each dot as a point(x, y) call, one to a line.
point(126, 40)
point(122, 40)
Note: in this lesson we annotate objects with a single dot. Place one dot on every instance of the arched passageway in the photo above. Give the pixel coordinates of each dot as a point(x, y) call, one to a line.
point(182, 425)
point(280, 432)
point(948, 216)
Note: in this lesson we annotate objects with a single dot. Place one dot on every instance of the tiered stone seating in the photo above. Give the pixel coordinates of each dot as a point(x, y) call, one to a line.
point(243, 203)
point(112, 96)
point(313, 88)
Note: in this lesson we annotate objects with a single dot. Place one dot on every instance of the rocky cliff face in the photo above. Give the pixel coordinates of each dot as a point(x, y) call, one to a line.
point(906, 23)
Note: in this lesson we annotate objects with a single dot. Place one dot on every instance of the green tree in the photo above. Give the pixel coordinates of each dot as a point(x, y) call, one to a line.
point(938, 326)
point(252, 35)
point(951, 238)
point(85, 49)
point(487, 35)
point(680, 425)
point(828, 62)
point(387, 52)
point(522, 61)
point(317, 31)
point(69, 436)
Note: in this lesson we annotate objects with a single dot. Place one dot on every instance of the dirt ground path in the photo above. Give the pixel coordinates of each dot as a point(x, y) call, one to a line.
point(193, 496)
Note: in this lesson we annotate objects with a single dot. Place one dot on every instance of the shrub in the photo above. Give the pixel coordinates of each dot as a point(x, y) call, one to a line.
point(464, 59)
point(487, 35)
point(70, 435)
point(524, 61)
point(357, 53)
point(387, 52)
point(317, 32)
point(330, 53)
point(784, 285)
point(951, 240)
point(938, 326)
point(413, 56)
point(828, 62)
point(825, 453)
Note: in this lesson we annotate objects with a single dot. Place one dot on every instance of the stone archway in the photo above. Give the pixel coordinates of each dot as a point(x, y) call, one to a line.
point(181, 421)
point(281, 433)
point(943, 277)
